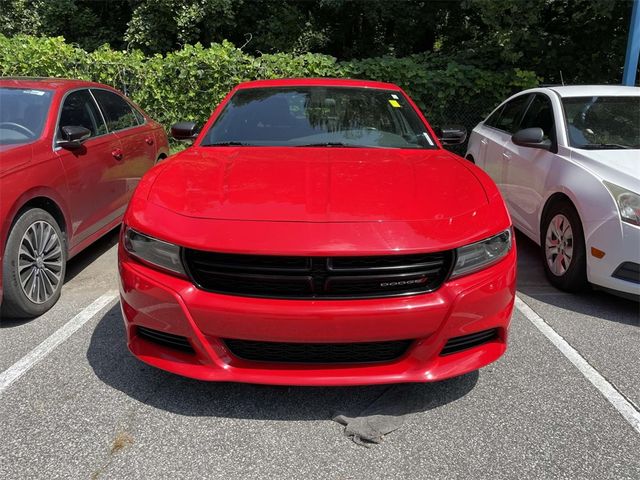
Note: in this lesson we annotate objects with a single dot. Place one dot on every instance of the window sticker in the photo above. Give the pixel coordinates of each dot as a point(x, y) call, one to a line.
point(394, 96)
point(34, 92)
point(395, 104)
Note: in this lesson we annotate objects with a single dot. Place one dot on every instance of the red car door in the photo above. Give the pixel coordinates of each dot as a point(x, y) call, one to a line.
point(138, 143)
point(94, 194)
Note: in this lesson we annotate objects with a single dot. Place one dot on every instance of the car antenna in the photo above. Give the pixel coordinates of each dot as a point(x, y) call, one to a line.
point(561, 79)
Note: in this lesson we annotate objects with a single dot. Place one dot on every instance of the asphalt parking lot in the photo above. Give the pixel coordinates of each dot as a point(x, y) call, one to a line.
point(76, 404)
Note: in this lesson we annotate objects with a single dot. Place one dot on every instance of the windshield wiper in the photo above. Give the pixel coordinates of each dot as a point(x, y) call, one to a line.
point(333, 144)
point(227, 144)
point(603, 146)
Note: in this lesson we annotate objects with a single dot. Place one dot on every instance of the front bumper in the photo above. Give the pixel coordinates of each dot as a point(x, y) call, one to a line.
point(621, 243)
point(477, 302)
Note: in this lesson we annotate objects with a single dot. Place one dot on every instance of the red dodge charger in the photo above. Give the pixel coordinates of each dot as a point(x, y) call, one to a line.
point(317, 233)
point(71, 154)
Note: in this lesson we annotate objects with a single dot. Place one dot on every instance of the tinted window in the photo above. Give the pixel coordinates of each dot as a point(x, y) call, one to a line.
point(22, 114)
point(139, 117)
point(316, 116)
point(79, 110)
point(540, 114)
point(603, 122)
point(117, 112)
point(511, 113)
point(493, 118)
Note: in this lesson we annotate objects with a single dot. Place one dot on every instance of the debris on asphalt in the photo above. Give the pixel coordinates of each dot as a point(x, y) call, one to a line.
point(384, 415)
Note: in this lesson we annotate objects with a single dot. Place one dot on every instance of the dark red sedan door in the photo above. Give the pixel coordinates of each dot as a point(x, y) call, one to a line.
point(95, 194)
point(138, 143)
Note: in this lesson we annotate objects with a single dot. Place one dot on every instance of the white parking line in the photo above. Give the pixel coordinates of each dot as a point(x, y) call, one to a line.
point(23, 365)
point(627, 409)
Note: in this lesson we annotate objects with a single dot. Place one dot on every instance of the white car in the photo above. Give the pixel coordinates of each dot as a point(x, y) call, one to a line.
point(567, 160)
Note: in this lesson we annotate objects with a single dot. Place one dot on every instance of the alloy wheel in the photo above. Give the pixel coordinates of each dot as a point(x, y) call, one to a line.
point(40, 262)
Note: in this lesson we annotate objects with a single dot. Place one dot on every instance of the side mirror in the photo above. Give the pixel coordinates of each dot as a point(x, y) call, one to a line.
point(185, 131)
point(532, 138)
point(73, 136)
point(451, 135)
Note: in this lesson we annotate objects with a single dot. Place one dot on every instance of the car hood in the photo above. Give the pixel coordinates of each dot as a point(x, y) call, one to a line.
point(317, 184)
point(621, 167)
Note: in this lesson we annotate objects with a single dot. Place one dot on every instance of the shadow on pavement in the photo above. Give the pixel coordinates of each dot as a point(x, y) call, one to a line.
point(533, 283)
point(85, 258)
point(115, 366)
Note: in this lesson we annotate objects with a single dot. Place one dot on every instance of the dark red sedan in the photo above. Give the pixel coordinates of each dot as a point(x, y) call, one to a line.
point(71, 154)
point(317, 233)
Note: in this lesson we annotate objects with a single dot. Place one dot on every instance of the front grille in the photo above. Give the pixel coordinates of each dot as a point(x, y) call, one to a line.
point(166, 339)
point(361, 352)
point(317, 277)
point(628, 271)
point(457, 344)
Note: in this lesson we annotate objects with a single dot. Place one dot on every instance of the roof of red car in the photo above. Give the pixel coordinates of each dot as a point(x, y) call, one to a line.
point(329, 82)
point(47, 83)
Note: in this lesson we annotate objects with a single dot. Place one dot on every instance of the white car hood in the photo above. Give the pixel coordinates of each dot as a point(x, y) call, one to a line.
point(621, 167)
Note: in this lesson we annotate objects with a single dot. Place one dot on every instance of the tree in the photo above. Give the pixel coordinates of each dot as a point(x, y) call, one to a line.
point(585, 39)
point(85, 22)
point(165, 25)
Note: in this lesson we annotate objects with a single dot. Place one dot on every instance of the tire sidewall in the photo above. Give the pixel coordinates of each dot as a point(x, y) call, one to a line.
point(15, 302)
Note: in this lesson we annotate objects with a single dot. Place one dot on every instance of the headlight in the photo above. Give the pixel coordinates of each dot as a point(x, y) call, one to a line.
point(479, 255)
point(628, 203)
point(156, 252)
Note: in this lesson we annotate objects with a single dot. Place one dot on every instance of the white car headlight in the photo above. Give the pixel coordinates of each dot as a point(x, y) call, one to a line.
point(153, 251)
point(628, 203)
point(479, 255)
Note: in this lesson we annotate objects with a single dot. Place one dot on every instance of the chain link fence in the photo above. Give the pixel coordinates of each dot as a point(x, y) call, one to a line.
point(462, 115)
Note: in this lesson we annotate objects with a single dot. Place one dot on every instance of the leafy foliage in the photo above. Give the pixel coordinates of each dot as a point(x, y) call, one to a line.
point(188, 83)
point(86, 22)
point(585, 39)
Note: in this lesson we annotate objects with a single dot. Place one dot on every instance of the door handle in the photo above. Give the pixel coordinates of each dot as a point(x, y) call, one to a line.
point(483, 141)
point(149, 140)
point(506, 155)
point(117, 153)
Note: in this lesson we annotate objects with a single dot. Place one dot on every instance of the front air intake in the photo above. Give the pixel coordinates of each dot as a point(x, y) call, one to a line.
point(628, 271)
point(166, 339)
point(458, 344)
point(358, 352)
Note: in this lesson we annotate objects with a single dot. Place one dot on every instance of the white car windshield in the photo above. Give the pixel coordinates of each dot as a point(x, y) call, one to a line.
point(604, 123)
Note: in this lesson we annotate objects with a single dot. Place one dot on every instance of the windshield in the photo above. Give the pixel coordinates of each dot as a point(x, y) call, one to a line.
point(22, 114)
point(603, 122)
point(319, 116)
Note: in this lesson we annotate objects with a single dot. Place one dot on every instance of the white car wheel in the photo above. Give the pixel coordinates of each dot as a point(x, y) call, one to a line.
point(563, 247)
point(559, 245)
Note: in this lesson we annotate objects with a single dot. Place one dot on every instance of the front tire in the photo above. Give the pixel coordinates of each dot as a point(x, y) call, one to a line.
point(34, 265)
point(563, 248)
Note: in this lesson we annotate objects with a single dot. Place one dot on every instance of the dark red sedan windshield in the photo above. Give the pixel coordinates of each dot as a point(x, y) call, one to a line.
point(319, 116)
point(22, 114)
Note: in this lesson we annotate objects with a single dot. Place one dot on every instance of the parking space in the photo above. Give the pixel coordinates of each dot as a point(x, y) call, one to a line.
point(89, 409)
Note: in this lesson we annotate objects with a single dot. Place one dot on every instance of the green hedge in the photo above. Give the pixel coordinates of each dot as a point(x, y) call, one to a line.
point(187, 84)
